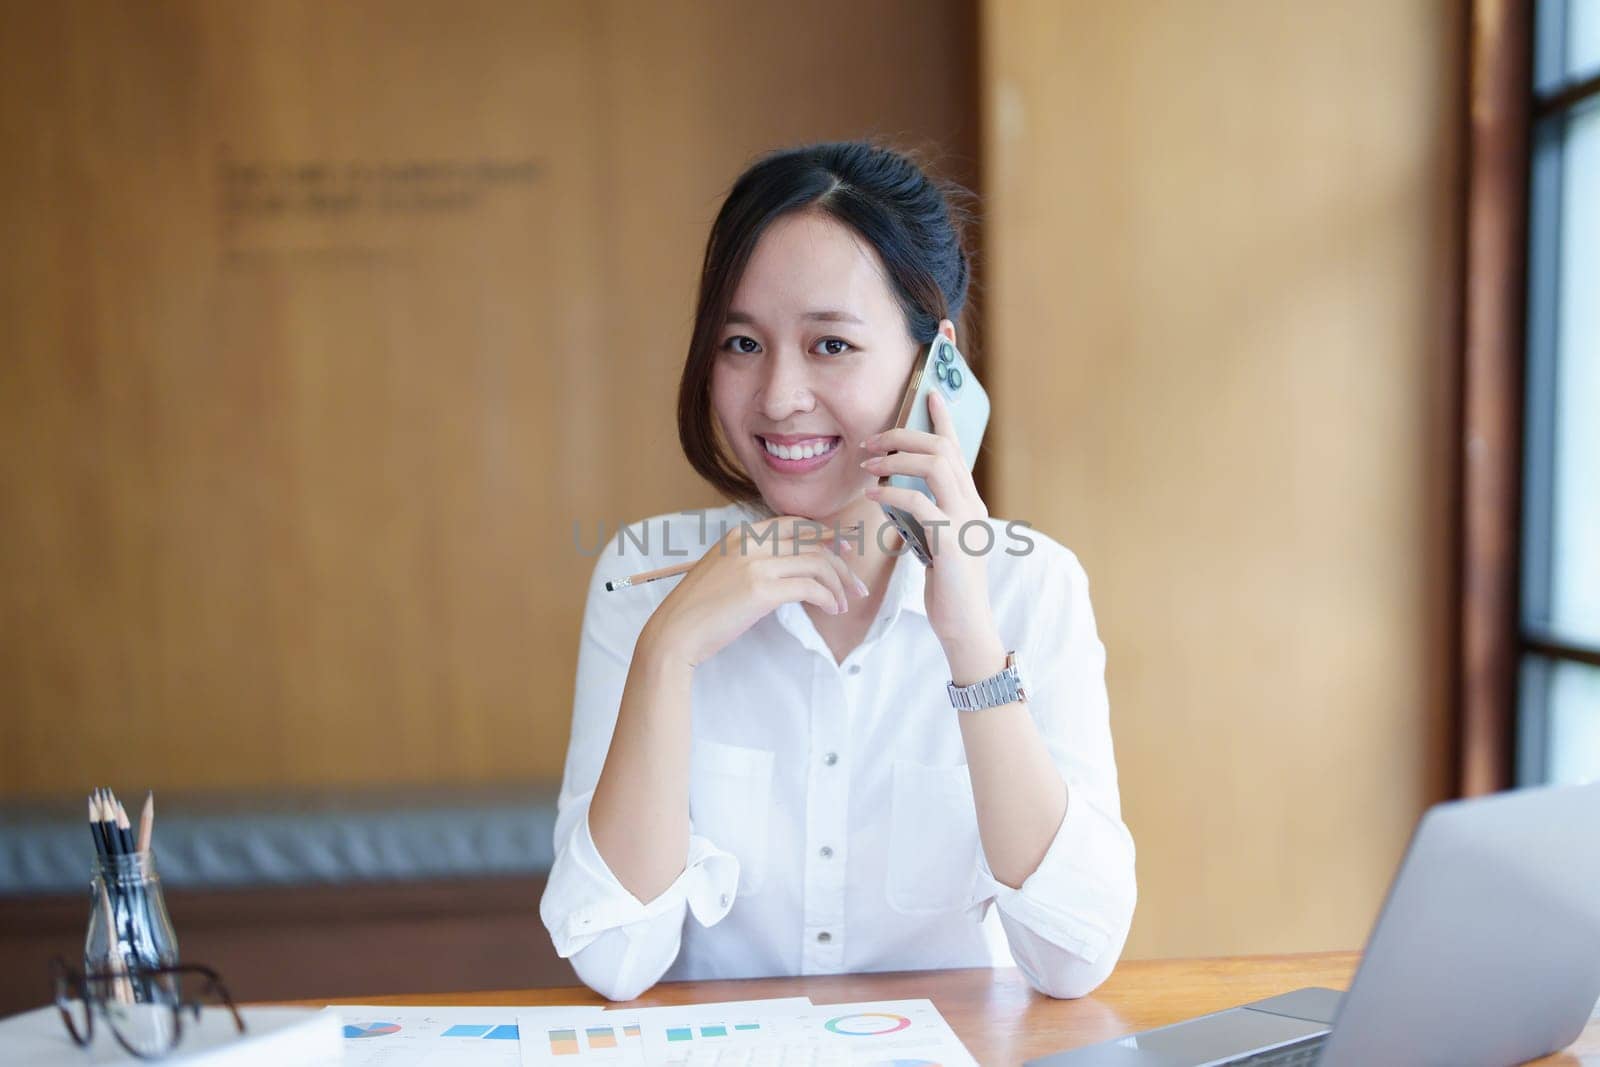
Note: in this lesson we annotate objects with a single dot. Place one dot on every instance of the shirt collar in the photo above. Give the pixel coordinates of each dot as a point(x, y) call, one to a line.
point(907, 584)
point(909, 581)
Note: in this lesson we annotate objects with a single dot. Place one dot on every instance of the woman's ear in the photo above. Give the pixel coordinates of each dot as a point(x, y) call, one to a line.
point(948, 328)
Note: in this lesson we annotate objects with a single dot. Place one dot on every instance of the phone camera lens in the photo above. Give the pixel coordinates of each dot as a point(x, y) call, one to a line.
point(954, 378)
point(946, 354)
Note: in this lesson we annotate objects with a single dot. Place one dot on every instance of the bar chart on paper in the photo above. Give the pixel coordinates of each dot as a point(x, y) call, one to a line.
point(620, 1037)
point(600, 1040)
point(485, 1031)
point(905, 1033)
point(438, 1037)
point(677, 1035)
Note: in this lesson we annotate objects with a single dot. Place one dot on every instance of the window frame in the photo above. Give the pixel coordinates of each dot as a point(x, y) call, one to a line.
point(1518, 106)
point(1538, 647)
point(1498, 113)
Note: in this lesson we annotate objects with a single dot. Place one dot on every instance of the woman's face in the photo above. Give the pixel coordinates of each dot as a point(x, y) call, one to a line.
point(813, 358)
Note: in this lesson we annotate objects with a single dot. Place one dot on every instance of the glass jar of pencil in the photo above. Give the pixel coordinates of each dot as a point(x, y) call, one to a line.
point(129, 928)
point(130, 931)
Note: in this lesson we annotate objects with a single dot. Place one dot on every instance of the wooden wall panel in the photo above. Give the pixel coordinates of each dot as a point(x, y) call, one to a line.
point(324, 323)
point(1223, 250)
point(286, 493)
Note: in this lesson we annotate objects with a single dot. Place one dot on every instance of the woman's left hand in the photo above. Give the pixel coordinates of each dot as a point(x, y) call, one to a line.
point(957, 589)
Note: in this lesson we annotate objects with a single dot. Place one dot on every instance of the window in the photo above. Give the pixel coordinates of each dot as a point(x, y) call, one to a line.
point(1558, 728)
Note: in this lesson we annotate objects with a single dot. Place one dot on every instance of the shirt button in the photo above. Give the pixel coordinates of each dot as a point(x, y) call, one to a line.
point(825, 852)
point(831, 758)
point(722, 901)
point(855, 668)
point(824, 937)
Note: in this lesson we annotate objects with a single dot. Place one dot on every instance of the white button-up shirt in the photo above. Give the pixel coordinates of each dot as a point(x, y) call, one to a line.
point(832, 821)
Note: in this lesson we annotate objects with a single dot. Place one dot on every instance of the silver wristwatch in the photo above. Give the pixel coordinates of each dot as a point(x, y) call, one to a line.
point(1005, 687)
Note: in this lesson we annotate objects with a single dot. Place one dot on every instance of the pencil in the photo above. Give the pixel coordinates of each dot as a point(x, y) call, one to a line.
point(94, 829)
point(118, 834)
point(103, 822)
point(124, 827)
point(147, 821)
point(683, 568)
point(121, 986)
point(108, 823)
point(107, 845)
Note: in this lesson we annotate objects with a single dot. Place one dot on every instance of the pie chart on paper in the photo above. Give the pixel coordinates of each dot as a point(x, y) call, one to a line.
point(868, 1024)
point(372, 1030)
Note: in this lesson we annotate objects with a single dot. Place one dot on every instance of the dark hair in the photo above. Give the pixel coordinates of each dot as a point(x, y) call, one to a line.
point(913, 222)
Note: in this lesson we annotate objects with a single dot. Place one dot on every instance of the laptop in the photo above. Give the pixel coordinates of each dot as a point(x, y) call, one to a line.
point(1486, 953)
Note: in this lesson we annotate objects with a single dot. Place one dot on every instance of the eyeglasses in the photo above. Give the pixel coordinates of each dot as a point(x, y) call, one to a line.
point(144, 1006)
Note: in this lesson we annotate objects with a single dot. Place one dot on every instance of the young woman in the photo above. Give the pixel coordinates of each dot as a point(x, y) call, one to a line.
point(769, 743)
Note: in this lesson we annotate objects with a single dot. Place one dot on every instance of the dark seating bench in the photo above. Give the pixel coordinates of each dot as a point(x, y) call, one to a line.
point(305, 894)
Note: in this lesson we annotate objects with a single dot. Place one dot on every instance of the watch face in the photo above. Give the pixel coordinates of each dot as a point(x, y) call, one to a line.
point(1014, 661)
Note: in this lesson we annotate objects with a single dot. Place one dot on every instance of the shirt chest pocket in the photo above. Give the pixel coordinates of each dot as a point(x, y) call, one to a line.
point(933, 844)
point(730, 802)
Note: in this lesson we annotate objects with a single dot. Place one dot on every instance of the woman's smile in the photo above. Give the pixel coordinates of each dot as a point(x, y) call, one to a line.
point(793, 454)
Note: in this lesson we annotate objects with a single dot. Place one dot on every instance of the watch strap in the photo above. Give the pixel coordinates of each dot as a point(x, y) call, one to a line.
point(1003, 687)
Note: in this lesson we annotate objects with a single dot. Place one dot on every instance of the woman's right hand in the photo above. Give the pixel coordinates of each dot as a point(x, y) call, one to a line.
point(746, 576)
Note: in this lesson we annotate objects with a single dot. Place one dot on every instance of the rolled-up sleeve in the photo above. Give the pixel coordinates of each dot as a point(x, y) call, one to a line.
point(619, 945)
point(1068, 921)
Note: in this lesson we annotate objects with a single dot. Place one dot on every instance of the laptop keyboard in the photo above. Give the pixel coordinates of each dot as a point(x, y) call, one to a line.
point(1301, 1054)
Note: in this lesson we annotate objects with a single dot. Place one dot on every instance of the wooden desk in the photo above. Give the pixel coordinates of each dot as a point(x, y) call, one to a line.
point(1002, 1020)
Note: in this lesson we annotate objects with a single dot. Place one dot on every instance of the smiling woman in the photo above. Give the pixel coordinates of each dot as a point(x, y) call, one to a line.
point(792, 383)
point(795, 773)
point(847, 251)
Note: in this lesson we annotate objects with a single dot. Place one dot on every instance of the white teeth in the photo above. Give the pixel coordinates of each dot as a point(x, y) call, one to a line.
point(804, 451)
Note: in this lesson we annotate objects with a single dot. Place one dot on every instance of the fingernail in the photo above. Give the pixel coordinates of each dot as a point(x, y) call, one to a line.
point(845, 548)
point(861, 587)
point(844, 606)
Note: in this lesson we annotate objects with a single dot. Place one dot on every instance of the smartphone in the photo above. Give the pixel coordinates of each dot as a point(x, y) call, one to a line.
point(939, 366)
